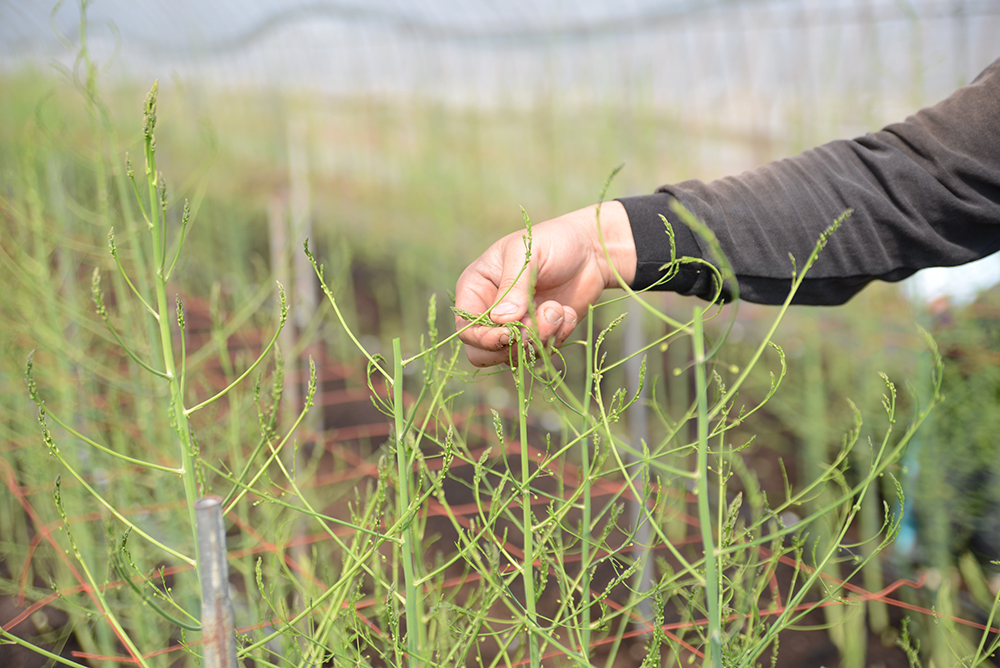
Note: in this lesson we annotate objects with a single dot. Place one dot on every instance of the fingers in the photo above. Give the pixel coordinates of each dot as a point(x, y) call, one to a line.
point(513, 281)
point(569, 321)
point(554, 323)
point(549, 319)
point(483, 358)
point(478, 288)
point(499, 281)
point(485, 346)
point(475, 292)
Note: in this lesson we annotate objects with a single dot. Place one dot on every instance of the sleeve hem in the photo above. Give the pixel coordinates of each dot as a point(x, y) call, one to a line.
point(652, 245)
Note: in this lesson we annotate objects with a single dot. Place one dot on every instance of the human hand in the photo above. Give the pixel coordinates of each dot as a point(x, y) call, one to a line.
point(571, 272)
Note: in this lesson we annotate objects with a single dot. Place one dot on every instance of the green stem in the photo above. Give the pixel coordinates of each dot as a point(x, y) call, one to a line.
point(413, 622)
point(11, 638)
point(585, 490)
point(100, 499)
point(340, 316)
point(281, 324)
point(132, 354)
point(353, 564)
point(128, 281)
point(96, 589)
point(157, 231)
point(107, 450)
point(527, 568)
point(714, 657)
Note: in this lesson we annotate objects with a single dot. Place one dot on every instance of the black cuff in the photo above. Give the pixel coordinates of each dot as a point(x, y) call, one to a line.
point(652, 245)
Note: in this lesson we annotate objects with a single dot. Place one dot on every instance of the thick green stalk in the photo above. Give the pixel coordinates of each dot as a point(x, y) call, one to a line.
point(403, 496)
point(157, 230)
point(527, 568)
point(585, 491)
point(714, 657)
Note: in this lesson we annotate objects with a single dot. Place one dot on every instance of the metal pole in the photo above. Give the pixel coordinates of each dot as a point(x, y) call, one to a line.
point(217, 622)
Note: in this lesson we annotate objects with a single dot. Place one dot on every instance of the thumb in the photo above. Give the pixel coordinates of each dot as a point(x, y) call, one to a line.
point(514, 306)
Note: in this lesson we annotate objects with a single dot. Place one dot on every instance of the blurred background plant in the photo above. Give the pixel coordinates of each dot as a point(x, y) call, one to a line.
point(401, 138)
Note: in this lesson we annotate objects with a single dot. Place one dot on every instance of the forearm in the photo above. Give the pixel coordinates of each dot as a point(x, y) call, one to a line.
point(925, 192)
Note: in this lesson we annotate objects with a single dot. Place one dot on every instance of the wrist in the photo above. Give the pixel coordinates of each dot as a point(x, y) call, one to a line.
point(619, 242)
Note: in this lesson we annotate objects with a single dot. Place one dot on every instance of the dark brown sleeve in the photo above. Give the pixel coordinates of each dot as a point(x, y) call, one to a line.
point(924, 192)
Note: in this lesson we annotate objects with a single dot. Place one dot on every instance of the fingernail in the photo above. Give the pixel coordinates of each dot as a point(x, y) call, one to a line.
point(503, 308)
point(553, 315)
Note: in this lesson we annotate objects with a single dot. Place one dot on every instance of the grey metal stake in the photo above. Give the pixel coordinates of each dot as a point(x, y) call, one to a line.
point(217, 622)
